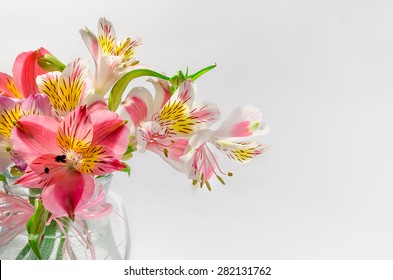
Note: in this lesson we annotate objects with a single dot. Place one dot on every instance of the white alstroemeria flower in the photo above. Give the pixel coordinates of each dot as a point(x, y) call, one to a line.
point(112, 58)
point(231, 138)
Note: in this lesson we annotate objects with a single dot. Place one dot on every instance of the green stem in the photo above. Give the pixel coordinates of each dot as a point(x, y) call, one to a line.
point(121, 85)
point(23, 253)
point(59, 252)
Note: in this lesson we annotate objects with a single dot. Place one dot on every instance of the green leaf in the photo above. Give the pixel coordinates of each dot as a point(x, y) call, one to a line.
point(2, 178)
point(128, 153)
point(202, 72)
point(50, 63)
point(121, 85)
point(36, 227)
point(126, 169)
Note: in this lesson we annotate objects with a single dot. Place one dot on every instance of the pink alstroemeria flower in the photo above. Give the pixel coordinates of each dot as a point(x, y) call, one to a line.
point(63, 157)
point(14, 214)
point(11, 111)
point(165, 123)
point(230, 138)
point(25, 71)
point(67, 90)
point(112, 59)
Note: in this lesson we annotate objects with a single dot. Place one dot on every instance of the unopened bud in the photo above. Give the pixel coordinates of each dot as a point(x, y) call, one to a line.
point(50, 63)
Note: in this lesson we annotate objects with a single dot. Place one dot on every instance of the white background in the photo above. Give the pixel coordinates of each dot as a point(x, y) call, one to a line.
point(321, 71)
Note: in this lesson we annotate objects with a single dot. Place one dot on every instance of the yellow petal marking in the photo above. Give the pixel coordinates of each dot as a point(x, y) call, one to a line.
point(176, 117)
point(11, 86)
point(240, 151)
point(93, 158)
point(64, 93)
point(127, 49)
point(8, 119)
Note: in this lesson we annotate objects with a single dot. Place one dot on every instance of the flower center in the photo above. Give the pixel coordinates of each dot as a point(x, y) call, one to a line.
point(74, 159)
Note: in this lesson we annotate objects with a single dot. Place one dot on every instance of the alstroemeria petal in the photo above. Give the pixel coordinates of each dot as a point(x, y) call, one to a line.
point(180, 118)
point(72, 191)
point(199, 164)
point(169, 148)
point(75, 131)
point(106, 36)
point(110, 130)
point(241, 152)
point(10, 113)
point(244, 121)
point(126, 49)
point(109, 72)
point(7, 86)
point(65, 90)
point(42, 172)
point(205, 113)
point(26, 70)
point(145, 133)
point(138, 104)
point(186, 92)
point(35, 135)
point(162, 94)
point(99, 160)
point(91, 42)
point(37, 104)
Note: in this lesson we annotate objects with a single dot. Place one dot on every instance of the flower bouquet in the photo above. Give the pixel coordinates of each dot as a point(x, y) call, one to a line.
point(64, 131)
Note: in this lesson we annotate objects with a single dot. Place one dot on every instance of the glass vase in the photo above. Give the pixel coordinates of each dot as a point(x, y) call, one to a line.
point(104, 238)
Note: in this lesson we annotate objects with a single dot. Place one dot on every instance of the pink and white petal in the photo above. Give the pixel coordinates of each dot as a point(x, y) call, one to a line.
point(138, 105)
point(145, 132)
point(69, 194)
point(127, 50)
point(110, 70)
point(38, 104)
point(106, 36)
point(110, 130)
point(162, 94)
point(92, 44)
point(185, 92)
point(7, 86)
point(200, 138)
point(75, 130)
point(169, 148)
point(26, 70)
point(99, 160)
point(33, 136)
point(241, 152)
point(205, 114)
point(244, 121)
point(200, 163)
